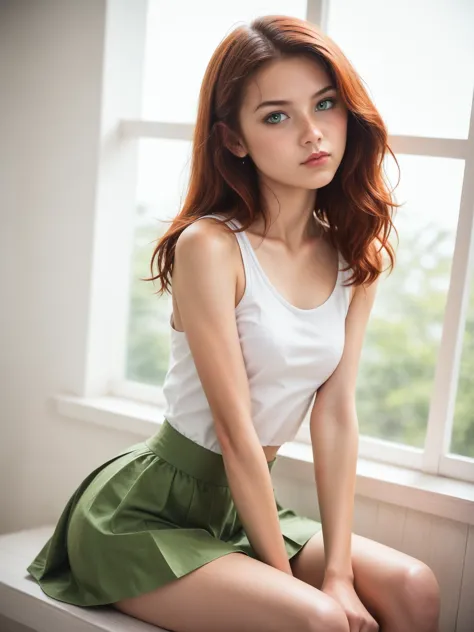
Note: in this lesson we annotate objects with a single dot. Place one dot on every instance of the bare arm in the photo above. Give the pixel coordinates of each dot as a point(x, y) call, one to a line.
point(335, 439)
point(204, 285)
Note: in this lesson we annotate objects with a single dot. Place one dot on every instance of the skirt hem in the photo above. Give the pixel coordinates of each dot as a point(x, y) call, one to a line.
point(64, 588)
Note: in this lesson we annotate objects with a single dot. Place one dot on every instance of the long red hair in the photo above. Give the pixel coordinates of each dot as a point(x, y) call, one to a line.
point(356, 207)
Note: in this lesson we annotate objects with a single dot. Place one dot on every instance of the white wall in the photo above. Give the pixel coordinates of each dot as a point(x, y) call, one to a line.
point(51, 66)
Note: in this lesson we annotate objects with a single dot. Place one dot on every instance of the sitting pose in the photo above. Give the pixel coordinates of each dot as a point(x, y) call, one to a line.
point(273, 261)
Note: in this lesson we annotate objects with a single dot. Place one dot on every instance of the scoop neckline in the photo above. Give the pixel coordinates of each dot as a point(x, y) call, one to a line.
point(277, 294)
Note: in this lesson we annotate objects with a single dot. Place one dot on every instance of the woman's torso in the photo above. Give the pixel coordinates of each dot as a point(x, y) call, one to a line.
point(306, 279)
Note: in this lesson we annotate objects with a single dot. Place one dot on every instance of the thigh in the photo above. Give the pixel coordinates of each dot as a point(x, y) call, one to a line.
point(234, 593)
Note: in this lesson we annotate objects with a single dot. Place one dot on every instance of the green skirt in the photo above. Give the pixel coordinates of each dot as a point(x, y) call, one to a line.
point(153, 513)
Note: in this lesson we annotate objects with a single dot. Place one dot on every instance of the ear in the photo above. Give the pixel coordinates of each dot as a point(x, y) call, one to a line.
point(232, 141)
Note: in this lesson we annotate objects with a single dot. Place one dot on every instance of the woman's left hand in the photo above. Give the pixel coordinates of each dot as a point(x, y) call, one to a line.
point(343, 591)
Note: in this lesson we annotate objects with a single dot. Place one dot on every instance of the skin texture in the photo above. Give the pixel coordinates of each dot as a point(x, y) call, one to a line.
point(292, 132)
point(370, 586)
point(399, 591)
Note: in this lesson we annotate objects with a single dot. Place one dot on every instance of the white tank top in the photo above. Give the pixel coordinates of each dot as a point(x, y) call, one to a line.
point(288, 353)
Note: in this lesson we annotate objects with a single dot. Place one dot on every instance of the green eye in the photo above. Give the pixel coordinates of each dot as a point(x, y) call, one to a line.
point(272, 122)
point(333, 101)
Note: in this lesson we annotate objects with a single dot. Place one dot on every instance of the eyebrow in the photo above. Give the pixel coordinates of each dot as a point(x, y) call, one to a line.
point(282, 102)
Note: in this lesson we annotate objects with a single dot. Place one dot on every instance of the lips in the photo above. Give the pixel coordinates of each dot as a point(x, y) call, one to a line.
point(316, 156)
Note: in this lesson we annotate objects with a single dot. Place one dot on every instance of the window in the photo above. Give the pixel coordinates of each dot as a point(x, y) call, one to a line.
point(162, 174)
point(422, 75)
point(398, 362)
point(192, 31)
point(415, 389)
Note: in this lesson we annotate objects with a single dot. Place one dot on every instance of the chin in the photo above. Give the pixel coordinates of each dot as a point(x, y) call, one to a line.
point(319, 180)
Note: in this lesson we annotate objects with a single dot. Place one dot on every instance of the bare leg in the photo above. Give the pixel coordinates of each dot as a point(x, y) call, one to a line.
point(400, 591)
point(235, 593)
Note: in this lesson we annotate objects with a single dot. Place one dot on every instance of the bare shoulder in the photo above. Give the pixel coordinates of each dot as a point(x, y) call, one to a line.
point(204, 274)
point(207, 236)
point(206, 249)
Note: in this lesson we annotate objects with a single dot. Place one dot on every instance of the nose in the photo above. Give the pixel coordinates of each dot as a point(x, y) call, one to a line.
point(310, 131)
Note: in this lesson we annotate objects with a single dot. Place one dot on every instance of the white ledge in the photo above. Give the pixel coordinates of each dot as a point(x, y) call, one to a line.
point(404, 487)
point(23, 602)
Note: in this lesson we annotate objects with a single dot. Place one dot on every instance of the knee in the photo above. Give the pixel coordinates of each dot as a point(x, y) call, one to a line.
point(421, 596)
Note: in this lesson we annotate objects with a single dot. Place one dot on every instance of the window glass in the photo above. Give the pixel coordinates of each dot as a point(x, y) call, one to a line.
point(398, 361)
point(181, 38)
point(416, 59)
point(163, 172)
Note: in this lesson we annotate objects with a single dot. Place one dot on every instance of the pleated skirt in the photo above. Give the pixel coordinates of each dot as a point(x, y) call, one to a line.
point(158, 510)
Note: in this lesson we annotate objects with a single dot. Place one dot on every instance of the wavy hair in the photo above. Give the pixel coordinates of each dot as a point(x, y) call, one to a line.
point(356, 207)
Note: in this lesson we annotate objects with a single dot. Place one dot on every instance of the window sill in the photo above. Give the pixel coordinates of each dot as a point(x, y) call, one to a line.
point(404, 487)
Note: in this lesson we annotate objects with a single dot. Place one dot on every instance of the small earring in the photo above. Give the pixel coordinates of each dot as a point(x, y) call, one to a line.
point(243, 160)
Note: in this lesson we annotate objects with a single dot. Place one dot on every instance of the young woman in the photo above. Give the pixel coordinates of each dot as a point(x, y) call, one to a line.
point(274, 261)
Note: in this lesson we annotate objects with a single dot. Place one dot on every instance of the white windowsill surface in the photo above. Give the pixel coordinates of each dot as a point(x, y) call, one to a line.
point(404, 487)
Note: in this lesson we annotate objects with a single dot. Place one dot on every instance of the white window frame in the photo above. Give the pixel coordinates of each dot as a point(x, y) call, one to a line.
point(106, 376)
